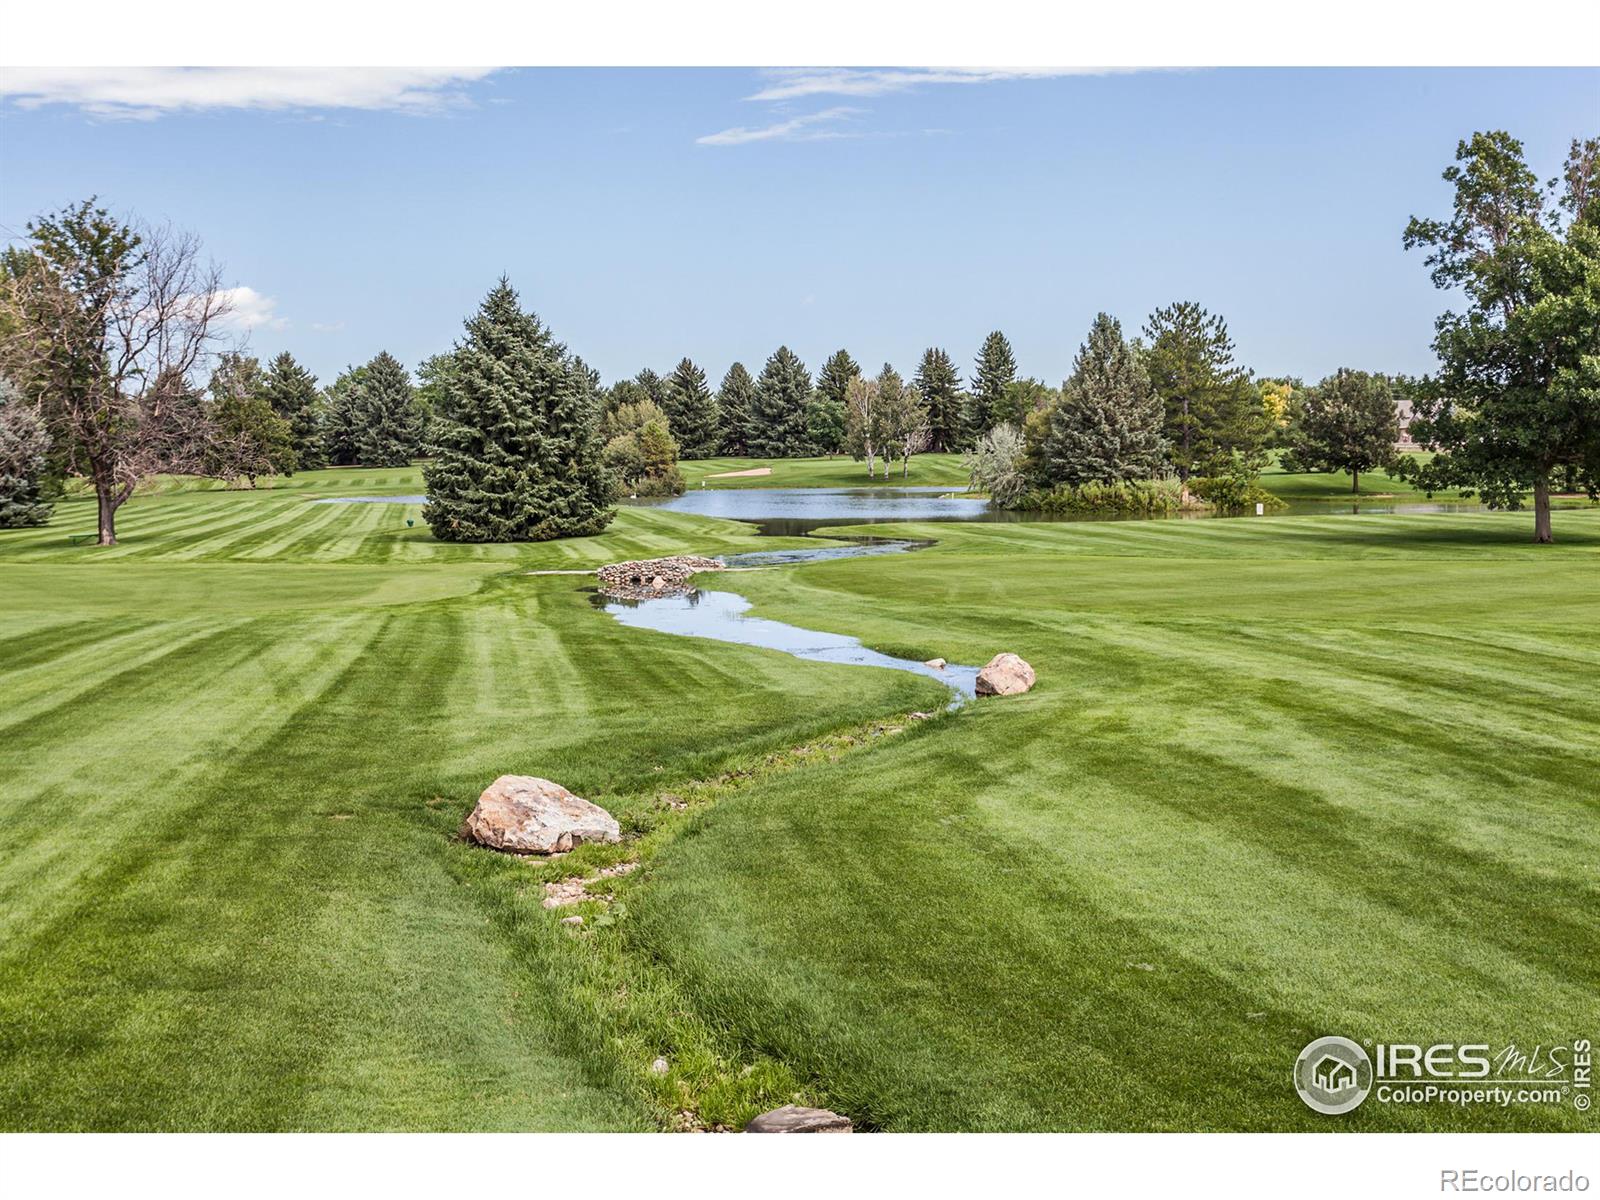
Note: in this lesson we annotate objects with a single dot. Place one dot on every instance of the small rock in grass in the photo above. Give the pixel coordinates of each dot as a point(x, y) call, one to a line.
point(920, 716)
point(659, 1067)
point(1143, 966)
point(1005, 675)
point(791, 1118)
point(572, 920)
point(522, 814)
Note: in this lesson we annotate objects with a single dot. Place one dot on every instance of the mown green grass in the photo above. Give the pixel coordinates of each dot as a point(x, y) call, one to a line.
point(1281, 777)
point(231, 765)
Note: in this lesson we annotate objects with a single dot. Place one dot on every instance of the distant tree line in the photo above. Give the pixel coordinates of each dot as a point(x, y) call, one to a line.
point(112, 369)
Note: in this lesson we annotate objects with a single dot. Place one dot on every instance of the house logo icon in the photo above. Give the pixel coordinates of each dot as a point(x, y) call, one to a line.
point(1333, 1075)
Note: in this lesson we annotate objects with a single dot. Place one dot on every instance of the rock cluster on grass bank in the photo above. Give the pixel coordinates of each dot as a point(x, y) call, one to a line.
point(522, 814)
point(647, 578)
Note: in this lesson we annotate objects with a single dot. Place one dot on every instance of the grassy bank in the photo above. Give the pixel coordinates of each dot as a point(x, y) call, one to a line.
point(1280, 778)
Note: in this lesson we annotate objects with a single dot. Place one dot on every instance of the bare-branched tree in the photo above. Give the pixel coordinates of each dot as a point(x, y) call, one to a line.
point(105, 326)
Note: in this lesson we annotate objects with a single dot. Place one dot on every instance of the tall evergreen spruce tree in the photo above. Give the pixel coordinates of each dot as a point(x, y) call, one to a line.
point(833, 381)
point(940, 384)
point(1107, 426)
point(292, 392)
point(997, 367)
point(691, 411)
point(341, 418)
point(515, 438)
point(825, 417)
point(388, 429)
point(778, 411)
point(734, 400)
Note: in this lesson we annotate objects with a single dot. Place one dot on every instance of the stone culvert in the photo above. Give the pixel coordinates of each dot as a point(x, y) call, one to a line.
point(646, 578)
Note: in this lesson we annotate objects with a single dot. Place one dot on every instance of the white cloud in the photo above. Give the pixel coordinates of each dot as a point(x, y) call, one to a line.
point(795, 129)
point(248, 309)
point(793, 83)
point(144, 93)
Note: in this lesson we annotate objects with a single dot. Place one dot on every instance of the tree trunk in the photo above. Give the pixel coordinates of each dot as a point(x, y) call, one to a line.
point(108, 514)
point(1541, 510)
point(1355, 482)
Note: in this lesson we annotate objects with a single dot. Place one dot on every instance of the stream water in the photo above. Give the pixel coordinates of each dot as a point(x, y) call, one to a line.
point(797, 512)
point(722, 617)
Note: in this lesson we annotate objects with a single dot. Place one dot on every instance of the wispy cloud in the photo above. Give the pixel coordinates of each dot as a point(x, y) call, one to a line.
point(326, 326)
point(144, 93)
point(795, 83)
point(248, 309)
point(801, 128)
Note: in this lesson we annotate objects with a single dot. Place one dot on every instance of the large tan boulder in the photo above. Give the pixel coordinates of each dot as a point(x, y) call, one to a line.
point(791, 1118)
point(1005, 675)
point(522, 814)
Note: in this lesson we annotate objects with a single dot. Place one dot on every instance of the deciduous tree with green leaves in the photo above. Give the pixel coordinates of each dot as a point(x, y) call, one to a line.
point(516, 440)
point(1516, 402)
point(246, 438)
point(1348, 422)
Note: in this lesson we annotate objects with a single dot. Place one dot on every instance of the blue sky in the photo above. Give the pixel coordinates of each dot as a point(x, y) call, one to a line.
point(649, 214)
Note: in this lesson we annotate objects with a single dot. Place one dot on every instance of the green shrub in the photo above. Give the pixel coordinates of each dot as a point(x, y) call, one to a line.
point(1130, 498)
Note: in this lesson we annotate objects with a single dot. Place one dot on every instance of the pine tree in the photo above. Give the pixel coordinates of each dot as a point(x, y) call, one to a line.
point(517, 454)
point(1107, 426)
point(997, 367)
point(735, 399)
point(24, 462)
point(341, 417)
point(291, 390)
point(691, 411)
point(778, 411)
point(1213, 412)
point(388, 423)
point(940, 385)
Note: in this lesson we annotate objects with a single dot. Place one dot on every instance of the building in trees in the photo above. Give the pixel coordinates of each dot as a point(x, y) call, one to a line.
point(691, 411)
point(292, 392)
point(1107, 426)
point(778, 409)
point(940, 384)
point(1515, 406)
point(997, 367)
point(516, 438)
point(735, 402)
point(1348, 422)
